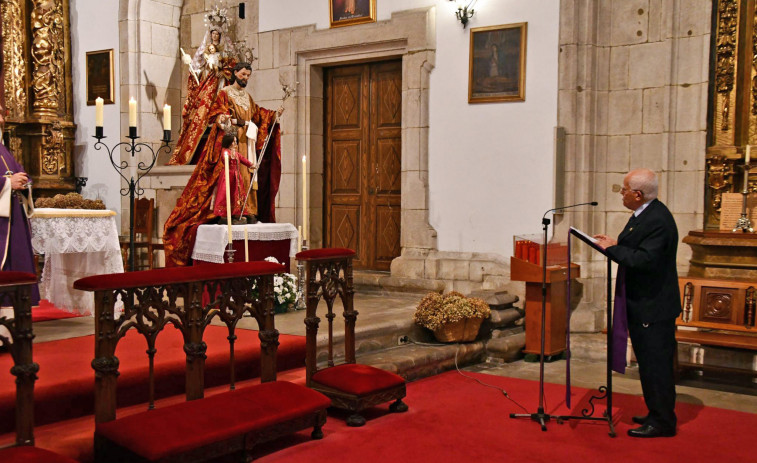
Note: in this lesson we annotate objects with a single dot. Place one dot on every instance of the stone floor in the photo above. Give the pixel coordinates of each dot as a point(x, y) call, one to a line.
point(386, 316)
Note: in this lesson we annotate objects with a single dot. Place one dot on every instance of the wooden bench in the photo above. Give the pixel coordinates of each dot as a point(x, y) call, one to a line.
point(718, 313)
point(15, 290)
point(349, 385)
point(200, 429)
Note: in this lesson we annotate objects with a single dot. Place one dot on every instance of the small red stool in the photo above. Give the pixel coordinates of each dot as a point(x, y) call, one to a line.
point(349, 385)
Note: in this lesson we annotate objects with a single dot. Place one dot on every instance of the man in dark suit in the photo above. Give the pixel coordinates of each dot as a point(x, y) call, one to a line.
point(646, 251)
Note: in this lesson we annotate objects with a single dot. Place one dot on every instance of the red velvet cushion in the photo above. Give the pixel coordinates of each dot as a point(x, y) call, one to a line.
point(28, 454)
point(17, 278)
point(164, 276)
point(325, 253)
point(172, 430)
point(357, 379)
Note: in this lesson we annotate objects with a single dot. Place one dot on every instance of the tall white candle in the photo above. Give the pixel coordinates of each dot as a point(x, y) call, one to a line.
point(305, 197)
point(246, 246)
point(228, 192)
point(166, 117)
point(98, 112)
point(132, 112)
point(748, 156)
point(299, 238)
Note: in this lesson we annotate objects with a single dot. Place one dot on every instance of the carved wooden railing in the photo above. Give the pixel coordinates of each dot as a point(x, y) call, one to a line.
point(16, 291)
point(155, 298)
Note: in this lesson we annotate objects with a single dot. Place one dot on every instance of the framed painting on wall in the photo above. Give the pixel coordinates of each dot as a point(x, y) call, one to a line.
point(100, 76)
point(497, 69)
point(349, 12)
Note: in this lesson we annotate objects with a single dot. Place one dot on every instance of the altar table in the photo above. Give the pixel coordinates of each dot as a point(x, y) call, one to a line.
point(76, 243)
point(277, 240)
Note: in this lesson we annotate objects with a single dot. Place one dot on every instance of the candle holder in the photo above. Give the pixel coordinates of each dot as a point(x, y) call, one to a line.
point(300, 304)
point(133, 188)
point(230, 253)
point(744, 224)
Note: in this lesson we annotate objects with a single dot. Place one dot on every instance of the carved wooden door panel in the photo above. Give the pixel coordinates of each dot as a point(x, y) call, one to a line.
point(363, 161)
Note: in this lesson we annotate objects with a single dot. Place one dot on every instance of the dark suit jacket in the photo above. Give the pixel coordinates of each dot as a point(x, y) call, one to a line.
point(647, 249)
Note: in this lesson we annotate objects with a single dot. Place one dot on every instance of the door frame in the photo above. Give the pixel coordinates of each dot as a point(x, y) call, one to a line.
point(408, 35)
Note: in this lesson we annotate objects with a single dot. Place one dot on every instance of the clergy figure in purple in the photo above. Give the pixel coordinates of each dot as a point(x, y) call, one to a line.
point(15, 232)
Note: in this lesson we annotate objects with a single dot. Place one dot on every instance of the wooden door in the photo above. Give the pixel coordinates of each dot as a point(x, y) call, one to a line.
point(363, 161)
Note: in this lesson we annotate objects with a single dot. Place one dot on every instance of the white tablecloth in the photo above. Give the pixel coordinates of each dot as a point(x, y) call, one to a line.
point(76, 244)
point(211, 240)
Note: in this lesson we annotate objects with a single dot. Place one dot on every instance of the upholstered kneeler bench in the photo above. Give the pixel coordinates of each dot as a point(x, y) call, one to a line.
point(349, 385)
point(200, 429)
point(227, 423)
point(15, 289)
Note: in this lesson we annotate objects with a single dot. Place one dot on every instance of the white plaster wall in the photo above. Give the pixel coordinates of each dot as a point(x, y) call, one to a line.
point(94, 26)
point(490, 165)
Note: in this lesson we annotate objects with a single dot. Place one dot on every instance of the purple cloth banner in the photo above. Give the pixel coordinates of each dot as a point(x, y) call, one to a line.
point(619, 323)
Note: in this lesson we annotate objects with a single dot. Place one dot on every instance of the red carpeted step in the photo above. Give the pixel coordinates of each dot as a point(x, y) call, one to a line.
point(65, 388)
point(46, 311)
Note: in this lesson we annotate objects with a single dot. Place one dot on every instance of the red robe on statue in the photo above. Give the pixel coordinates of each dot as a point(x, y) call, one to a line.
point(236, 186)
point(195, 205)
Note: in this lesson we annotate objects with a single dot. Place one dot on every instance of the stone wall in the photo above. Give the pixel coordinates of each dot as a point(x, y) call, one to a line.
point(633, 93)
point(151, 73)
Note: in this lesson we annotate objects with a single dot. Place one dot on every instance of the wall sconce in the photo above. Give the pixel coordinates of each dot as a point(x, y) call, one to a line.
point(464, 10)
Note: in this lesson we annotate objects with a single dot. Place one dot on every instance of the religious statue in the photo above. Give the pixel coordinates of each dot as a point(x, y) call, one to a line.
point(209, 71)
point(236, 185)
point(259, 140)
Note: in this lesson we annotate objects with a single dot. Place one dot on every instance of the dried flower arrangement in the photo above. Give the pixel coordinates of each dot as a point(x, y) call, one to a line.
point(69, 201)
point(438, 312)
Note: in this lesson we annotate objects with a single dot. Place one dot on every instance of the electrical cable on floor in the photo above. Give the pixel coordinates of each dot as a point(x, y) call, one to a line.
point(504, 392)
point(487, 385)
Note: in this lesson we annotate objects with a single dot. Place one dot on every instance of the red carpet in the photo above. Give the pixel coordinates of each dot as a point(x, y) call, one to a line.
point(454, 419)
point(65, 388)
point(47, 311)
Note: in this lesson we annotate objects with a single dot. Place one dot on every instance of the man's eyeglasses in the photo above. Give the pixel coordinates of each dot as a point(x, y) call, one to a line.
point(624, 190)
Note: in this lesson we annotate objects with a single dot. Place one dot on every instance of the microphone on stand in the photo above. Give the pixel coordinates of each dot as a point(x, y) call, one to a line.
point(593, 203)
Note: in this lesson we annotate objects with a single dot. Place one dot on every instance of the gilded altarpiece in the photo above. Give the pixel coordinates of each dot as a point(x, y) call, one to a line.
point(37, 90)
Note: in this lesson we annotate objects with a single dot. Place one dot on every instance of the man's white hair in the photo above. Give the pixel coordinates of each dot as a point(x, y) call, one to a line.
point(643, 180)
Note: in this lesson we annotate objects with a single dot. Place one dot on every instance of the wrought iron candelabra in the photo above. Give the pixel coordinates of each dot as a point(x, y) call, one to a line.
point(133, 189)
point(300, 304)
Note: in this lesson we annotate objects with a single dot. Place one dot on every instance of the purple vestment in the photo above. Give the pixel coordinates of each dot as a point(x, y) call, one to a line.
point(15, 232)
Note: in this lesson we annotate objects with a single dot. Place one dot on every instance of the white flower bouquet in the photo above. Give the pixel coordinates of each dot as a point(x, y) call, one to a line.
point(284, 289)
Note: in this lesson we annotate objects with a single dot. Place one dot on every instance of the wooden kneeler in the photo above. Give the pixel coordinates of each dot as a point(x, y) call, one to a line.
point(349, 385)
point(15, 289)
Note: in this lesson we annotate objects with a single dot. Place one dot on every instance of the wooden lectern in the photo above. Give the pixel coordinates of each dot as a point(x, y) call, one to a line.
point(556, 310)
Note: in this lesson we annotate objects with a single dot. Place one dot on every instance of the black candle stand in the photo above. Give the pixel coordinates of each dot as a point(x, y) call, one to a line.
point(133, 189)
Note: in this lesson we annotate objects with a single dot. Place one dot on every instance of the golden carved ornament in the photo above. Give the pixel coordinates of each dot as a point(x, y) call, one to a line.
point(52, 153)
point(14, 65)
point(725, 68)
point(719, 180)
point(47, 56)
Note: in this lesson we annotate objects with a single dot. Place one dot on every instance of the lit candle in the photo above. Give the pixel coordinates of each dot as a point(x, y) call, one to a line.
point(166, 117)
point(228, 192)
point(748, 154)
point(304, 198)
point(98, 112)
point(132, 112)
point(299, 238)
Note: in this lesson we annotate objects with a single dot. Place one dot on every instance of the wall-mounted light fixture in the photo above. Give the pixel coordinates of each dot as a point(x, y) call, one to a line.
point(464, 10)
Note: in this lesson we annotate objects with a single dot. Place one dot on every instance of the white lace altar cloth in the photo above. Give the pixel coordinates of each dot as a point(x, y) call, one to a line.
point(76, 244)
point(211, 240)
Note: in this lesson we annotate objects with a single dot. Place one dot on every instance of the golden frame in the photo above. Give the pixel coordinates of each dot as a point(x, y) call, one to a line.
point(99, 67)
point(497, 68)
point(363, 11)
